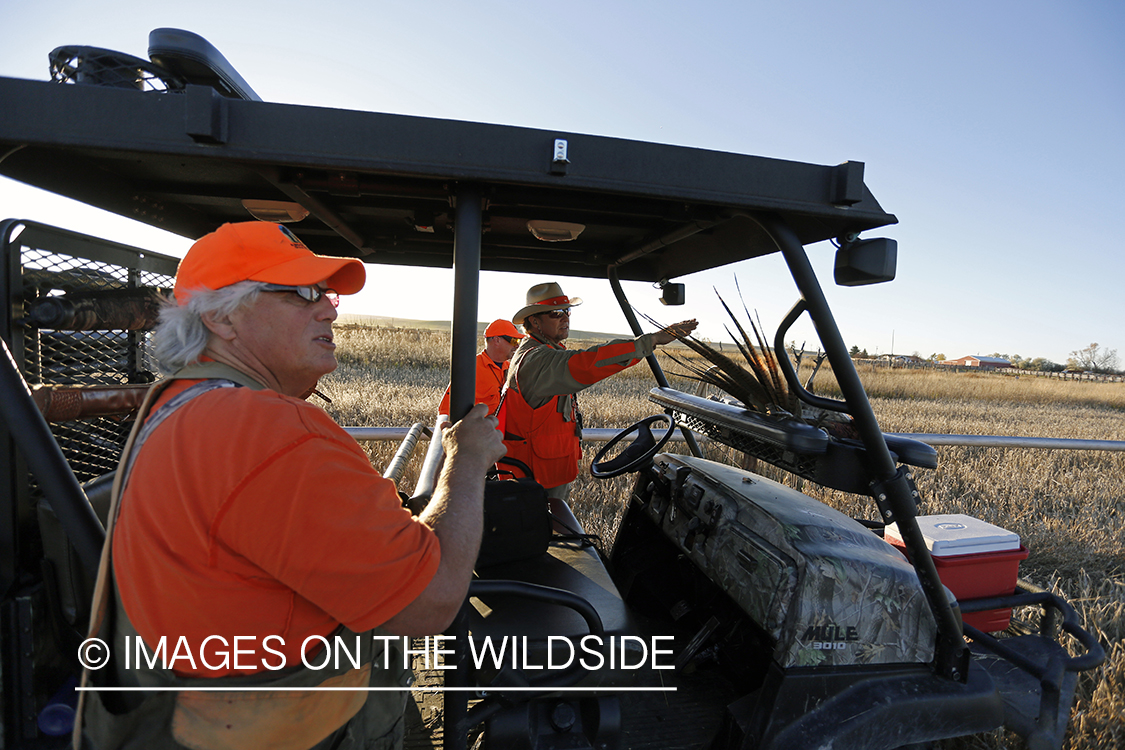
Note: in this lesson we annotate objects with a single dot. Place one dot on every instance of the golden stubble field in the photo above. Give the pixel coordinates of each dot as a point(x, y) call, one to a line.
point(1067, 506)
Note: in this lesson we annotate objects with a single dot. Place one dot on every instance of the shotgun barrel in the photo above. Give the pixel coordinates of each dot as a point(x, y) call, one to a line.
point(117, 309)
point(63, 403)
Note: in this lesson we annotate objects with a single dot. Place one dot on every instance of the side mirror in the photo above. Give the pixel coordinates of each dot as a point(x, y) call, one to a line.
point(673, 294)
point(862, 262)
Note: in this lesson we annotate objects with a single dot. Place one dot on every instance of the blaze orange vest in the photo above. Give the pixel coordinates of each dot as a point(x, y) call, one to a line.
point(541, 438)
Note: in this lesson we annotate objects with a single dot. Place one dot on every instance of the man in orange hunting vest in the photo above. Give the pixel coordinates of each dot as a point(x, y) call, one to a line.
point(500, 341)
point(539, 415)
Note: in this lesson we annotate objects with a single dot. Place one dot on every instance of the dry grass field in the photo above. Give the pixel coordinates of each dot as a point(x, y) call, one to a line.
point(1067, 506)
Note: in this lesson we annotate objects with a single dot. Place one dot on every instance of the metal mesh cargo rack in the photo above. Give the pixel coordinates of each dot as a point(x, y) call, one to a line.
point(77, 312)
point(94, 66)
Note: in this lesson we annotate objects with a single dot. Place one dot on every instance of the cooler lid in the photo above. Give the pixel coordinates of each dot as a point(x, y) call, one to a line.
point(952, 534)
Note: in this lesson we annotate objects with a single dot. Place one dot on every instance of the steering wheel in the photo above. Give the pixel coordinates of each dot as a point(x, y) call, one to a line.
point(639, 452)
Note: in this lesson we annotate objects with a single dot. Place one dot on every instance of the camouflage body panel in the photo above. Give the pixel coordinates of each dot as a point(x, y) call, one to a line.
point(825, 588)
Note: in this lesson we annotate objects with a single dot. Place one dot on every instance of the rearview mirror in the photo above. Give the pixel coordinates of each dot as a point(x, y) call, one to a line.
point(862, 262)
point(673, 294)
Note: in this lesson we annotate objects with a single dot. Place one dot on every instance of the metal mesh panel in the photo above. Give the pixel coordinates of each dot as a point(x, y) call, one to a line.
point(98, 357)
point(103, 67)
point(92, 446)
point(87, 357)
point(803, 466)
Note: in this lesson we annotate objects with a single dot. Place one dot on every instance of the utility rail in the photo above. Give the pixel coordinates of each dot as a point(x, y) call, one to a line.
point(605, 434)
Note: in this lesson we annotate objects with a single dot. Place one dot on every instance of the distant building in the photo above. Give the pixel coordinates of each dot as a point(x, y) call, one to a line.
point(985, 363)
point(900, 359)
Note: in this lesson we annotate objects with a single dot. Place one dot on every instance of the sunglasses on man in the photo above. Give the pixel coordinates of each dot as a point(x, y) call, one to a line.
point(310, 294)
point(556, 314)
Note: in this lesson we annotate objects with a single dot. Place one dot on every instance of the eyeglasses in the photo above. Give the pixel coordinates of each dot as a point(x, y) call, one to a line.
point(563, 313)
point(310, 294)
point(510, 339)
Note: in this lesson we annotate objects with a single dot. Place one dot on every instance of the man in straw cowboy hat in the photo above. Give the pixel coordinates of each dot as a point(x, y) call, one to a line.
point(500, 341)
point(539, 415)
point(252, 531)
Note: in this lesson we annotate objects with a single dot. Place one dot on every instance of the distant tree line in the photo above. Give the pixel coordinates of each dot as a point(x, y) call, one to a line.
point(1040, 364)
point(1093, 358)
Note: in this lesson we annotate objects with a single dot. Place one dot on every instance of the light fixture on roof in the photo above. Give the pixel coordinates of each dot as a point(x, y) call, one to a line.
point(554, 231)
point(280, 212)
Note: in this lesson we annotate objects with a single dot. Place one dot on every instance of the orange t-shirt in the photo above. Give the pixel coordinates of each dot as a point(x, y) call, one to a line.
point(249, 513)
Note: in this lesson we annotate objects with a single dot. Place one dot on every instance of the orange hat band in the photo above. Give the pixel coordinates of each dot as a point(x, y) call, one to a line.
point(563, 300)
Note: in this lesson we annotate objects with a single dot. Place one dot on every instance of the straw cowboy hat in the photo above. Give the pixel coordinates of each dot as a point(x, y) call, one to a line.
point(543, 298)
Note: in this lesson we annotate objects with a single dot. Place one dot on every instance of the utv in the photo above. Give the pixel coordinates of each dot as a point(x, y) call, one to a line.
point(829, 637)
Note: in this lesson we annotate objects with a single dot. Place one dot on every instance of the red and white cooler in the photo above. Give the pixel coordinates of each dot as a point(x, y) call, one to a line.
point(974, 559)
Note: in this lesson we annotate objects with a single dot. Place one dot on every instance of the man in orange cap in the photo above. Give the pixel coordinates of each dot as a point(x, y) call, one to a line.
point(252, 529)
point(500, 340)
point(540, 418)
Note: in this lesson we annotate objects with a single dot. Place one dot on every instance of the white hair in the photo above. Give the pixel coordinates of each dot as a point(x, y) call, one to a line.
point(181, 336)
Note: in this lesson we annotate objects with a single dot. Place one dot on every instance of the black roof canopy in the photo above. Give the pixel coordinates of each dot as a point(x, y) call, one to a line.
point(381, 187)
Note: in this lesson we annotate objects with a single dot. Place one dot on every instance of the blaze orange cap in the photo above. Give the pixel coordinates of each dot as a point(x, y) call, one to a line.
point(261, 251)
point(502, 328)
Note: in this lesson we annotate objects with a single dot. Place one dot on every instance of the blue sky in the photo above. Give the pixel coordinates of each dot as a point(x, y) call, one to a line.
point(993, 130)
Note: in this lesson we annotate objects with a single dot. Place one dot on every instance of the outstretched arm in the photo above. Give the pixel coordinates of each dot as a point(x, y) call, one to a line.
point(668, 334)
point(548, 372)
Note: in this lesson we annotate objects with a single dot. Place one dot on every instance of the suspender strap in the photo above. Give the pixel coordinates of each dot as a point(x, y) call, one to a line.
point(158, 417)
point(142, 428)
